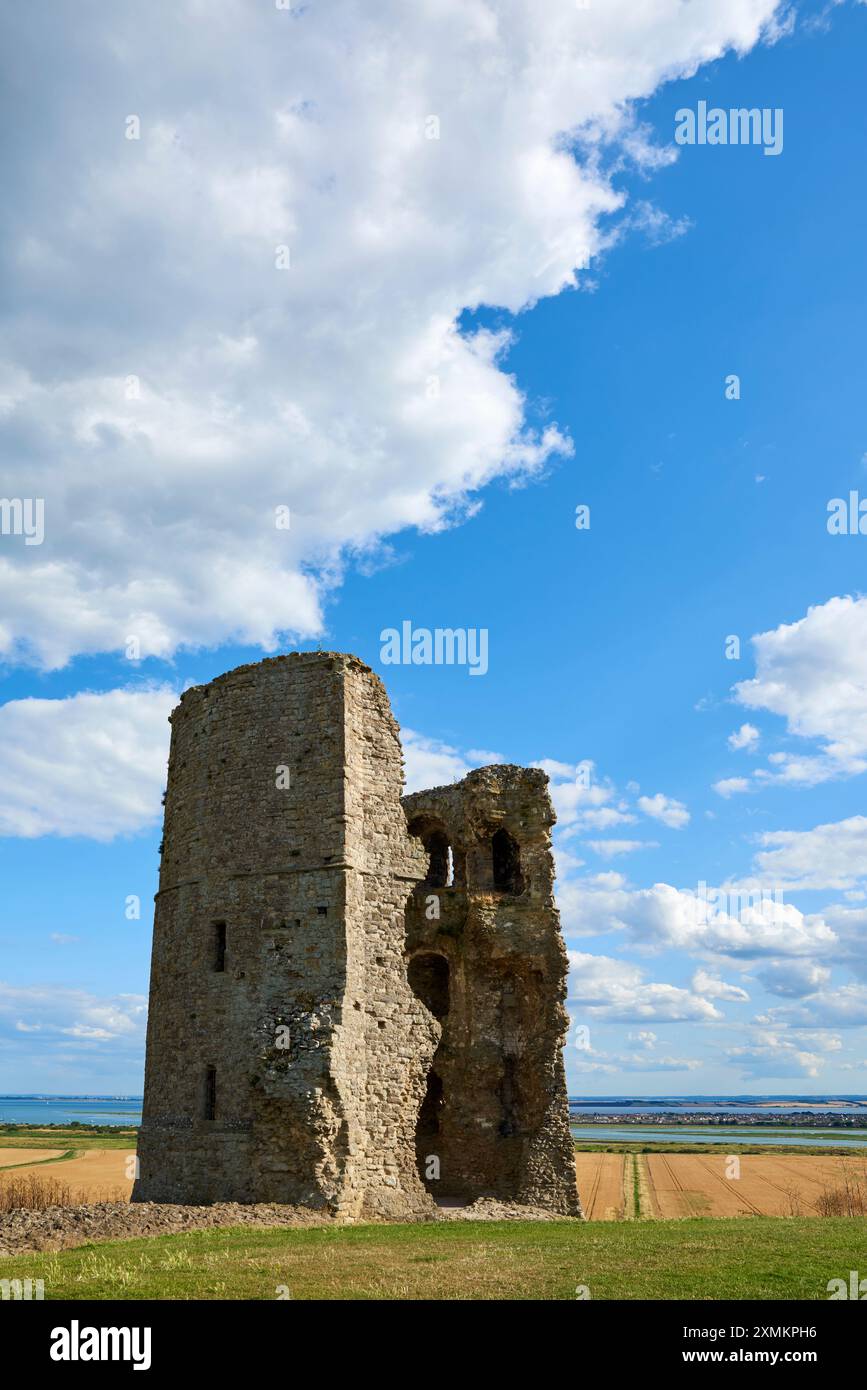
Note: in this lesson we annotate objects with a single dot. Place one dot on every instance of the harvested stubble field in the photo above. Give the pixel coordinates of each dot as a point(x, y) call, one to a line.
point(92, 1175)
point(601, 1178)
point(767, 1185)
point(671, 1184)
point(14, 1158)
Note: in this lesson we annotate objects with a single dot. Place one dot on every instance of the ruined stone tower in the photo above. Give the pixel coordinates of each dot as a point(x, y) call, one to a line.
point(355, 1003)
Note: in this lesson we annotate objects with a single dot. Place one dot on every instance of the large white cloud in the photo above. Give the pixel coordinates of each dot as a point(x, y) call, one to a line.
point(828, 856)
point(92, 764)
point(742, 926)
point(339, 387)
point(813, 673)
point(616, 991)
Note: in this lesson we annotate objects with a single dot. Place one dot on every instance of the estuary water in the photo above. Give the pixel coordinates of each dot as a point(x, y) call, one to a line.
point(65, 1110)
point(637, 1134)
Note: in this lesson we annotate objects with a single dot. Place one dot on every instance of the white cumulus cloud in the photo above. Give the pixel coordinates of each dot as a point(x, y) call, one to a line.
point(254, 304)
point(746, 737)
point(712, 987)
point(616, 991)
point(833, 855)
point(92, 764)
point(429, 762)
point(728, 786)
point(776, 1053)
point(664, 808)
point(813, 673)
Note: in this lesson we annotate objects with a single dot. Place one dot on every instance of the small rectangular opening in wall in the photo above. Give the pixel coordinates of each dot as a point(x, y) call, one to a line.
point(322, 911)
point(211, 1093)
point(219, 945)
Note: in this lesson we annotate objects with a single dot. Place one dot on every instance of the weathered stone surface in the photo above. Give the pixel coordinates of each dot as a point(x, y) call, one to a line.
point(331, 1019)
point(502, 1114)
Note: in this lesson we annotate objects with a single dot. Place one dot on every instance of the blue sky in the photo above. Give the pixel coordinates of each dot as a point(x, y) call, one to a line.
point(607, 645)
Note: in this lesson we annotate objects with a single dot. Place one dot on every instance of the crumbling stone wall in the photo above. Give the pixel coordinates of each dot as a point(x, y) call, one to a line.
point(289, 1056)
point(485, 947)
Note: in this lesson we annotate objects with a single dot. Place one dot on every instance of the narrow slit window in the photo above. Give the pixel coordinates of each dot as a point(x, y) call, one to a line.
point(219, 945)
point(211, 1093)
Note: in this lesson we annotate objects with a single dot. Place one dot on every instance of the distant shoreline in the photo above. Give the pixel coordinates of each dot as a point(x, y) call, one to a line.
point(722, 1102)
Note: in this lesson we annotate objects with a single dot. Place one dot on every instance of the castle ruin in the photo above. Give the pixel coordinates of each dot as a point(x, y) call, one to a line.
point(356, 1000)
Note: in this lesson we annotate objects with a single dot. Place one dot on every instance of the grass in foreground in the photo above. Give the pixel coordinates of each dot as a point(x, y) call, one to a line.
point(58, 1136)
point(759, 1257)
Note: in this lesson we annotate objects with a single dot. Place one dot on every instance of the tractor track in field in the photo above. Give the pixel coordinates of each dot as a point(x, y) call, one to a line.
point(757, 1211)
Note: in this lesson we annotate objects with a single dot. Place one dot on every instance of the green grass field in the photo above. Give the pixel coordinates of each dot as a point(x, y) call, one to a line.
point(761, 1258)
point(66, 1136)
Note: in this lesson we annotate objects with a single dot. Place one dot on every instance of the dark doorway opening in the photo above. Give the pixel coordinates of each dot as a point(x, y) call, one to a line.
point(428, 1134)
point(429, 1115)
point(428, 975)
point(509, 1100)
point(506, 863)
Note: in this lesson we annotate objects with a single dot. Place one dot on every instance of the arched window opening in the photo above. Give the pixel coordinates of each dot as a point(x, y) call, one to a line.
point(440, 861)
point(428, 976)
point(507, 863)
point(441, 858)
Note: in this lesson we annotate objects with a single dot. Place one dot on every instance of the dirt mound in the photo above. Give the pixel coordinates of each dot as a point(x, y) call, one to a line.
point(60, 1228)
point(491, 1209)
